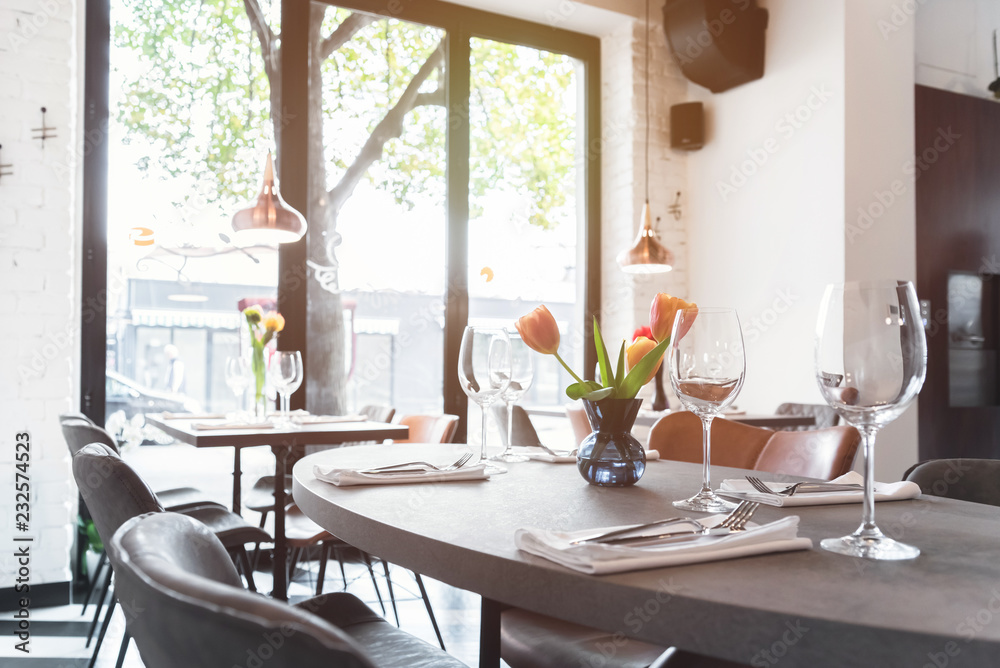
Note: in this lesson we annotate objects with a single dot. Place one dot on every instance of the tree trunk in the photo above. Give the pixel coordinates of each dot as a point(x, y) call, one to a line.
point(325, 329)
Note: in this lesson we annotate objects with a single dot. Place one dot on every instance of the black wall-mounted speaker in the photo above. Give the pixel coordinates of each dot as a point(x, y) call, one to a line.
point(719, 44)
point(687, 126)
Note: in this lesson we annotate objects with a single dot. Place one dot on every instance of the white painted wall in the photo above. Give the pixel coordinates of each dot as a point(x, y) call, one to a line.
point(766, 229)
point(953, 43)
point(39, 66)
point(879, 188)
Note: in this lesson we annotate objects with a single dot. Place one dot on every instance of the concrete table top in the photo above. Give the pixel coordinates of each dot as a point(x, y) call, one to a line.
point(807, 608)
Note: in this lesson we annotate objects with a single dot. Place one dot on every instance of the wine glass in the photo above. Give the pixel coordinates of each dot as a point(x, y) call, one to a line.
point(285, 370)
point(521, 375)
point(238, 379)
point(707, 368)
point(484, 366)
point(871, 360)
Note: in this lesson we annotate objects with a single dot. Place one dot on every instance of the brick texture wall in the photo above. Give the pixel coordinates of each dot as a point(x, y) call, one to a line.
point(39, 67)
point(625, 297)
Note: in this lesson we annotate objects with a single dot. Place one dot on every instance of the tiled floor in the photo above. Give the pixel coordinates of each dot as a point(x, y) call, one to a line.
point(59, 634)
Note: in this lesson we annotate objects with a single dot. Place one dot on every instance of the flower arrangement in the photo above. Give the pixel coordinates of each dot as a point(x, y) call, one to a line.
point(263, 328)
point(637, 363)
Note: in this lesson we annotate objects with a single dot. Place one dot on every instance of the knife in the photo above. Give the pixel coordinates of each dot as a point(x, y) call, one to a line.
point(665, 538)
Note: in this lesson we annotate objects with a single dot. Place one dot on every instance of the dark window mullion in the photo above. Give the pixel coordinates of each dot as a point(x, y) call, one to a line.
point(457, 290)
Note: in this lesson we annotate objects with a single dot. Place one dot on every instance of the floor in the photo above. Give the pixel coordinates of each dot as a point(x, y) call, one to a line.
point(59, 634)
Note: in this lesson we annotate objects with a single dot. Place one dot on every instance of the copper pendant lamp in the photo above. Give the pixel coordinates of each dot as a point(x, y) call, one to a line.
point(270, 220)
point(646, 255)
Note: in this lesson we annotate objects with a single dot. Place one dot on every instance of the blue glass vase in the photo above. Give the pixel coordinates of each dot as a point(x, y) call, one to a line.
point(611, 456)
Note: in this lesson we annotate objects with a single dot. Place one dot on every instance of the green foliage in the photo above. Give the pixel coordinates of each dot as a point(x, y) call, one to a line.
point(618, 384)
point(195, 102)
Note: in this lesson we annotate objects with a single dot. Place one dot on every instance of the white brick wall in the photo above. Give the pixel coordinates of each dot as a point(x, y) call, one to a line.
point(38, 232)
point(626, 298)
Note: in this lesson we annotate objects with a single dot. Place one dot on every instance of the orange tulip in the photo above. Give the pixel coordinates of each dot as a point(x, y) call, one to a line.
point(539, 331)
point(662, 313)
point(639, 349)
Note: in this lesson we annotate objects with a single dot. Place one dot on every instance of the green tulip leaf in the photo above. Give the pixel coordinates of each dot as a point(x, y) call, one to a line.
point(620, 373)
point(602, 357)
point(636, 378)
point(581, 390)
point(597, 395)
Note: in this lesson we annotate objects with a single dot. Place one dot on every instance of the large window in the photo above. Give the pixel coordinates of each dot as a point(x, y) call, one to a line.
point(446, 158)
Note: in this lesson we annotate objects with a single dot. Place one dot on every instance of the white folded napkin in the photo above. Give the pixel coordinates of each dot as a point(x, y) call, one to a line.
point(601, 559)
point(349, 477)
point(884, 491)
point(324, 419)
point(206, 426)
point(542, 456)
point(192, 416)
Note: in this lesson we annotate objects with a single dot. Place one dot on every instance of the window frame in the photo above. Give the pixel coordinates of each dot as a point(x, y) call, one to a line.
point(461, 24)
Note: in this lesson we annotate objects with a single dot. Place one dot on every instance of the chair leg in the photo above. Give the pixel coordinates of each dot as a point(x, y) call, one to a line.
point(99, 606)
point(93, 581)
point(324, 555)
point(104, 629)
point(430, 611)
point(392, 596)
point(256, 549)
point(124, 649)
point(245, 566)
point(293, 561)
point(371, 574)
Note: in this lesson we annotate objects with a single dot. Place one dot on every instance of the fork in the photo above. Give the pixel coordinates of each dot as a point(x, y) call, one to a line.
point(568, 453)
point(733, 522)
point(762, 487)
point(408, 467)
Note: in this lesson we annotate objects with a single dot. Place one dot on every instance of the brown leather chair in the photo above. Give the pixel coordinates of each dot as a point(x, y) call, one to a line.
point(429, 428)
point(185, 607)
point(578, 421)
point(823, 414)
point(529, 640)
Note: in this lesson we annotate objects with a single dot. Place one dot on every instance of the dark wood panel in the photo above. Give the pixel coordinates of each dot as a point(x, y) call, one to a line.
point(957, 172)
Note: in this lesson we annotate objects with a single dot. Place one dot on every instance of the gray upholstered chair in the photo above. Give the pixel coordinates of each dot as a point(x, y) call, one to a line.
point(824, 415)
point(185, 607)
point(975, 480)
point(115, 493)
point(524, 431)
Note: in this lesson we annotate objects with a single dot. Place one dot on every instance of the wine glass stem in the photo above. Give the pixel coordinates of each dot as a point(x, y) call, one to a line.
point(706, 447)
point(482, 454)
point(284, 404)
point(510, 424)
point(868, 517)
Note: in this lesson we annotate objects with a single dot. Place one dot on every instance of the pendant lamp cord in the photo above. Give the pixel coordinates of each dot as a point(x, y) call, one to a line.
point(647, 100)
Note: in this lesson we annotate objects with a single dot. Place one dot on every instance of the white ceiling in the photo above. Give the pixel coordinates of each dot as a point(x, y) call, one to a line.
point(593, 17)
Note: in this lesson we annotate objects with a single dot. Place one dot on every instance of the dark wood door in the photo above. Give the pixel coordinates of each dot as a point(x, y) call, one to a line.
point(957, 180)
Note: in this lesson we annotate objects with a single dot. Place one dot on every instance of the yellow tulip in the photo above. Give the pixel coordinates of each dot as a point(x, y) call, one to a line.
point(639, 349)
point(274, 322)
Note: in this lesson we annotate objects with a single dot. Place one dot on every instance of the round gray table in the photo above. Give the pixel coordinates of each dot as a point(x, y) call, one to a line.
point(807, 608)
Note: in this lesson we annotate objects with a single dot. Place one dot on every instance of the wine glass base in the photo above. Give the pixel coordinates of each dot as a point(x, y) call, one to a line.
point(878, 548)
point(508, 457)
point(705, 502)
point(493, 469)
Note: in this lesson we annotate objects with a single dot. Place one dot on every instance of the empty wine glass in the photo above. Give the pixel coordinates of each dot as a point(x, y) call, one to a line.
point(707, 367)
point(484, 366)
point(871, 360)
point(238, 379)
point(521, 375)
point(285, 371)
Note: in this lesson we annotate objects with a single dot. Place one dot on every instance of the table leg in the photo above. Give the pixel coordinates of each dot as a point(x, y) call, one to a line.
point(489, 634)
point(280, 590)
point(237, 478)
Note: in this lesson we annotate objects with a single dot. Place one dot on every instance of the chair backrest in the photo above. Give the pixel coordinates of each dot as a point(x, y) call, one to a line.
point(79, 433)
point(429, 428)
point(677, 436)
point(113, 492)
point(184, 605)
point(817, 453)
point(73, 415)
point(975, 480)
point(524, 431)
point(578, 421)
point(378, 412)
point(824, 415)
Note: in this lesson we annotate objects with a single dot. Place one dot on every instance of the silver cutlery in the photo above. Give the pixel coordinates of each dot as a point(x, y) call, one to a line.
point(568, 453)
point(735, 521)
point(802, 487)
point(417, 467)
